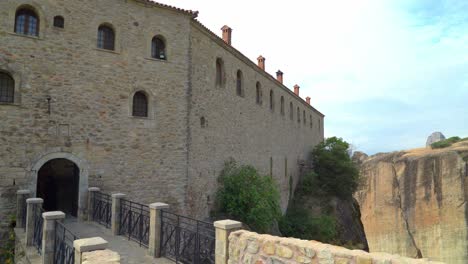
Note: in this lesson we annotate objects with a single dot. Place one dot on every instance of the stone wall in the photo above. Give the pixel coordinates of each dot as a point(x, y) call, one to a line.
point(248, 247)
point(237, 127)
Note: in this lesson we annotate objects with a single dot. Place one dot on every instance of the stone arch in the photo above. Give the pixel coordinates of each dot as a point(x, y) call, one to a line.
point(83, 176)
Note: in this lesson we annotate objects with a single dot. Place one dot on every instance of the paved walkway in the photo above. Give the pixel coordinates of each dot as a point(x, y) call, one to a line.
point(130, 252)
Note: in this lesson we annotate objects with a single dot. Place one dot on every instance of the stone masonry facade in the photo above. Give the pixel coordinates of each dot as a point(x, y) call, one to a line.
point(74, 101)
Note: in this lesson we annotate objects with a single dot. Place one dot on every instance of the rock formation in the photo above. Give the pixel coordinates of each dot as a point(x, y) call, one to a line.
point(434, 137)
point(414, 203)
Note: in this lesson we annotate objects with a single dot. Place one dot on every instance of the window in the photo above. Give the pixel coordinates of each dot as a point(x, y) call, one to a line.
point(239, 89)
point(7, 88)
point(106, 38)
point(282, 105)
point(140, 105)
point(59, 22)
point(298, 115)
point(158, 48)
point(271, 100)
point(26, 22)
point(304, 117)
point(291, 111)
point(202, 122)
point(219, 72)
point(320, 125)
point(311, 124)
point(258, 93)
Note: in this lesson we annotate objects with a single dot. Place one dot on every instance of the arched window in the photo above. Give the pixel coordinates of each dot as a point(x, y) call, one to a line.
point(26, 22)
point(304, 117)
point(271, 100)
point(59, 22)
point(282, 105)
point(298, 115)
point(291, 111)
point(7, 88)
point(140, 105)
point(106, 38)
point(219, 72)
point(239, 88)
point(158, 48)
point(258, 93)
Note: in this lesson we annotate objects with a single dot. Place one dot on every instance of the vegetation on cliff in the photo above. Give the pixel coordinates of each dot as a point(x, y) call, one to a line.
point(447, 142)
point(249, 197)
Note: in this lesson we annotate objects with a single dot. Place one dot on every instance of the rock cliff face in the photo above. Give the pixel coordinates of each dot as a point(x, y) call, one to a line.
point(414, 203)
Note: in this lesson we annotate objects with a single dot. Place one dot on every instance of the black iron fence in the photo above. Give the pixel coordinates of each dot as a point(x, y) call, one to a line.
point(186, 240)
point(102, 208)
point(134, 221)
point(64, 252)
point(38, 223)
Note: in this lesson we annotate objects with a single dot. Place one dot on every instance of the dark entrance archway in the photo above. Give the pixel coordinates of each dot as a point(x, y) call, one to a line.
point(58, 184)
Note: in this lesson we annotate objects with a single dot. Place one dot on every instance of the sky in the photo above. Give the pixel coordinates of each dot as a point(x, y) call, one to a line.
point(386, 73)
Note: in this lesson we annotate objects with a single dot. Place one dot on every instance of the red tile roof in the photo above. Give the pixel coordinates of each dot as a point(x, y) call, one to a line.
point(192, 13)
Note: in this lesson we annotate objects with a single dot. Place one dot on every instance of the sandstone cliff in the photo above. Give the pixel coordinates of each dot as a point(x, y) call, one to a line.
point(414, 203)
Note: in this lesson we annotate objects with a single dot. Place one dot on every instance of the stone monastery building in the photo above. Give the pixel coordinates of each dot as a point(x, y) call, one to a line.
point(137, 97)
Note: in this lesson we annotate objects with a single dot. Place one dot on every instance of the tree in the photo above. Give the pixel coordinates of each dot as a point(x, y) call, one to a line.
point(336, 173)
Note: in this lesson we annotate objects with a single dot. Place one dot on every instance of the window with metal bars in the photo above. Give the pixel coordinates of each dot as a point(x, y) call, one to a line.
point(26, 22)
point(140, 105)
point(106, 38)
point(7, 88)
point(158, 48)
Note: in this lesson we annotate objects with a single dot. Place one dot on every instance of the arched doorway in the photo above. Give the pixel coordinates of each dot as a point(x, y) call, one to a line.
point(58, 184)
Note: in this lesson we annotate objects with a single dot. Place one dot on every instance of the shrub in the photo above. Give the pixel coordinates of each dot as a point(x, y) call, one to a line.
point(336, 174)
point(248, 197)
point(7, 250)
point(299, 223)
point(447, 142)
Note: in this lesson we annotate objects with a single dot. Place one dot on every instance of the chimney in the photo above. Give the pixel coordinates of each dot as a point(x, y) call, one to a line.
point(261, 62)
point(279, 76)
point(308, 99)
point(227, 32)
point(296, 89)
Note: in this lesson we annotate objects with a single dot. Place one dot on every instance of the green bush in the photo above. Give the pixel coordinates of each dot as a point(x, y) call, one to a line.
point(248, 197)
point(336, 174)
point(7, 250)
point(299, 223)
point(447, 142)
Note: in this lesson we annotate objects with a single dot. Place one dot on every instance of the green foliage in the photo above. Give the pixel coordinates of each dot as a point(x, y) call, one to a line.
point(299, 223)
point(447, 142)
point(336, 174)
point(7, 250)
point(248, 197)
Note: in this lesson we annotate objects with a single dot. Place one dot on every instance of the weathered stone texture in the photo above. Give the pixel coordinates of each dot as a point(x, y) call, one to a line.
point(166, 157)
point(274, 250)
point(434, 137)
point(415, 203)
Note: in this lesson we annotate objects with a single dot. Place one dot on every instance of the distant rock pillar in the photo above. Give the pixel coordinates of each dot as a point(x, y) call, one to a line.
point(223, 229)
point(154, 247)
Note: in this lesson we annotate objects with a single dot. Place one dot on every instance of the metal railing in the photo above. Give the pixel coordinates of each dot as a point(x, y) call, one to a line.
point(38, 223)
point(187, 240)
point(64, 252)
point(102, 208)
point(134, 221)
point(23, 216)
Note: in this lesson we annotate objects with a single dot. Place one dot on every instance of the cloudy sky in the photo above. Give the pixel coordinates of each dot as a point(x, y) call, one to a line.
point(386, 73)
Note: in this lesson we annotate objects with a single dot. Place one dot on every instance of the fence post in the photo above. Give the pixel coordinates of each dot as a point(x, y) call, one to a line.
point(86, 245)
point(48, 235)
point(31, 203)
point(91, 193)
point(223, 229)
point(115, 220)
point(21, 195)
point(154, 247)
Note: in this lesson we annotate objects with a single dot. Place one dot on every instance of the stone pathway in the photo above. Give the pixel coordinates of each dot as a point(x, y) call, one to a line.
point(130, 252)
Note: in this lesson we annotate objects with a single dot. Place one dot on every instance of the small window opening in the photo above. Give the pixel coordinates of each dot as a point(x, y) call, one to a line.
point(202, 122)
point(158, 48)
point(59, 22)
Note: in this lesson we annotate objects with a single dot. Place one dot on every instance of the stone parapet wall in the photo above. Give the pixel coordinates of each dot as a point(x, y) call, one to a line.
point(101, 257)
point(248, 247)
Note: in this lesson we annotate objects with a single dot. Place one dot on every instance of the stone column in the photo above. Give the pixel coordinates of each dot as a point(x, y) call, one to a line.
point(223, 229)
point(115, 220)
point(21, 196)
point(154, 247)
point(31, 204)
point(91, 193)
point(48, 235)
point(86, 245)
